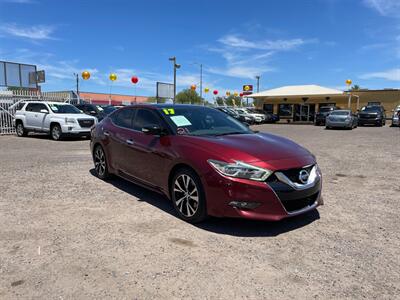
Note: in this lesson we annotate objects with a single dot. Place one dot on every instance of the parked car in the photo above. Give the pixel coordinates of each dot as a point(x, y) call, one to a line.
point(207, 164)
point(58, 119)
point(395, 118)
point(108, 109)
point(234, 114)
point(372, 115)
point(95, 110)
point(268, 117)
point(341, 119)
point(258, 118)
point(323, 112)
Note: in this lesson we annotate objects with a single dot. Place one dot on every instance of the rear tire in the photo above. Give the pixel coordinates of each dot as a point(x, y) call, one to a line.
point(100, 163)
point(55, 132)
point(20, 129)
point(188, 196)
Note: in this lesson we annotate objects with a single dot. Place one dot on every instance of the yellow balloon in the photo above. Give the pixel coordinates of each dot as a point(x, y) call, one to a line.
point(85, 75)
point(348, 81)
point(206, 90)
point(235, 94)
point(228, 93)
point(113, 76)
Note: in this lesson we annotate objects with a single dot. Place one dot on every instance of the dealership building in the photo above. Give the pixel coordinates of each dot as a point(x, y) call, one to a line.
point(298, 103)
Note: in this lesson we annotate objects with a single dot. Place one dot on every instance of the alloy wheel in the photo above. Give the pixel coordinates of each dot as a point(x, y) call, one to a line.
point(20, 129)
point(100, 161)
point(186, 195)
point(56, 133)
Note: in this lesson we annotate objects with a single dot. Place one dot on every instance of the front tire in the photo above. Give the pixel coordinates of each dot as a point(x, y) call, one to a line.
point(20, 129)
point(100, 163)
point(55, 132)
point(188, 196)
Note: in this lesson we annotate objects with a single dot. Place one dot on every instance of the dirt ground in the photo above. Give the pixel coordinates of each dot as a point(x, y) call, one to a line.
point(64, 234)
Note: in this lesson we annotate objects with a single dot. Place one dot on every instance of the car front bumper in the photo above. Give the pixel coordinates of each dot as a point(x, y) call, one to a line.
point(395, 122)
point(75, 129)
point(338, 124)
point(275, 200)
point(372, 121)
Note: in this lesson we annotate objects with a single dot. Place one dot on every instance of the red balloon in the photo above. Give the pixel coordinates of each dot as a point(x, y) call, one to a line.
point(215, 92)
point(241, 94)
point(134, 79)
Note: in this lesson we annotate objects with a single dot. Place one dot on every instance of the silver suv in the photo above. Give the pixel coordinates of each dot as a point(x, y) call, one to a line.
point(57, 119)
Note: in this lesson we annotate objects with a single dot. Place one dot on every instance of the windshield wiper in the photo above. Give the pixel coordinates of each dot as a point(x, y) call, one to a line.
point(233, 132)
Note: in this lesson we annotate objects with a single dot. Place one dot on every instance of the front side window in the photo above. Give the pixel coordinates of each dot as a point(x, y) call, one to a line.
point(145, 117)
point(123, 118)
point(37, 107)
point(199, 121)
point(64, 109)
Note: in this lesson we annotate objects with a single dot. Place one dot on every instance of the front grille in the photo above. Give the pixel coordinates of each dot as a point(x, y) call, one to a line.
point(293, 174)
point(85, 123)
point(297, 204)
point(367, 116)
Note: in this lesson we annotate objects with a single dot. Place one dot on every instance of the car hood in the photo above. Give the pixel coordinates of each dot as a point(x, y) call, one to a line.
point(77, 116)
point(260, 147)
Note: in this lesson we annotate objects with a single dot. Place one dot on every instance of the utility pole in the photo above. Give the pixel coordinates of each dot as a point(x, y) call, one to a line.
point(176, 66)
point(77, 83)
point(258, 83)
point(201, 81)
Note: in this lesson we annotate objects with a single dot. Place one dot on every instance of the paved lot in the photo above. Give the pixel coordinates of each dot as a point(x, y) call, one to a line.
point(64, 234)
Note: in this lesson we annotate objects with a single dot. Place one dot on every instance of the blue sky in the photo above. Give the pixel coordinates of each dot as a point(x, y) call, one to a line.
point(285, 42)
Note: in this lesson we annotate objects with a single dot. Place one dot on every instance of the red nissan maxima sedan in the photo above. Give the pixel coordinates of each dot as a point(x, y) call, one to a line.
point(206, 162)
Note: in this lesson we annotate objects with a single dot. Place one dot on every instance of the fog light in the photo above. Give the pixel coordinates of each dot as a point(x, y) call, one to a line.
point(70, 128)
point(244, 204)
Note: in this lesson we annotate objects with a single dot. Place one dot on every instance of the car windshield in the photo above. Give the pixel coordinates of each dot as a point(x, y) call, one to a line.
point(325, 109)
point(202, 121)
point(339, 113)
point(371, 108)
point(64, 109)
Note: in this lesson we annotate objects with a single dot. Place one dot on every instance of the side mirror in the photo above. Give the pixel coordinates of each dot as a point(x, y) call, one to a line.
point(153, 129)
point(44, 111)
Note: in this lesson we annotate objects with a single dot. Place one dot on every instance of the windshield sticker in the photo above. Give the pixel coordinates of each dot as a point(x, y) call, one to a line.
point(169, 111)
point(180, 121)
point(54, 108)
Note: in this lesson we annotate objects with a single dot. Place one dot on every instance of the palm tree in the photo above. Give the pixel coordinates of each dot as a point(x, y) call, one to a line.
point(355, 87)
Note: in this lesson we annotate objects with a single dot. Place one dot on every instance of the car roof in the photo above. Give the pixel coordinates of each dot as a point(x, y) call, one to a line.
point(48, 102)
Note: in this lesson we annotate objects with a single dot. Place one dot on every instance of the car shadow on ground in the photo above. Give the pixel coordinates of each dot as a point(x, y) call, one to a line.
point(44, 136)
point(229, 226)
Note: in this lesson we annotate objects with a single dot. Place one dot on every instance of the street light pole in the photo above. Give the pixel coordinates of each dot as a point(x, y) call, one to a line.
point(258, 83)
point(176, 66)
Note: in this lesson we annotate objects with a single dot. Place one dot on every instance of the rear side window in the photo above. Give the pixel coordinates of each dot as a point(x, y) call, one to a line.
point(29, 107)
point(145, 117)
point(123, 118)
point(38, 106)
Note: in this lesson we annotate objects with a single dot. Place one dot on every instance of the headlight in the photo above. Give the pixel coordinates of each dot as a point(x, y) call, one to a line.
point(69, 120)
point(240, 170)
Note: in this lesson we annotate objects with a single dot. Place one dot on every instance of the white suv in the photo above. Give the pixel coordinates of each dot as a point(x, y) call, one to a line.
point(56, 118)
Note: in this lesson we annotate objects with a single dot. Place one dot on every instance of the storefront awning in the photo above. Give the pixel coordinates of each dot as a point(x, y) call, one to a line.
point(297, 91)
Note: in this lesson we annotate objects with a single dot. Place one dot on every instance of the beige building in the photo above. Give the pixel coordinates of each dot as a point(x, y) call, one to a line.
point(298, 103)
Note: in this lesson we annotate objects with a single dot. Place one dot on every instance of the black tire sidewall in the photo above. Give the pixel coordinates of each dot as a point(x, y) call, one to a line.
point(201, 212)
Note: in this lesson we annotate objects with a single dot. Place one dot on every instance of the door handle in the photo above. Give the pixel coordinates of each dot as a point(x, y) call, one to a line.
point(106, 133)
point(129, 142)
